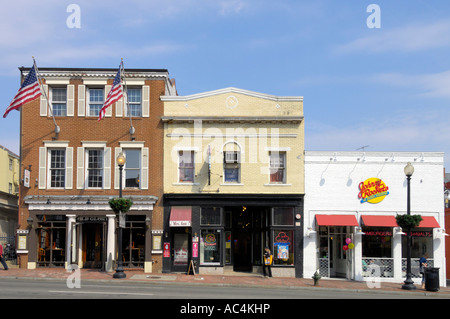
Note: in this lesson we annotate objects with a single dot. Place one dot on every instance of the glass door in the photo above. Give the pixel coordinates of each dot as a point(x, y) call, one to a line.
point(180, 252)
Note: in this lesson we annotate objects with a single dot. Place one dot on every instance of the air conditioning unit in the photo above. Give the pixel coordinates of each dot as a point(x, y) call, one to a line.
point(231, 157)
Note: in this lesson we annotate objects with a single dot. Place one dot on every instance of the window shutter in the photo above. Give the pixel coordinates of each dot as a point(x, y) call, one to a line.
point(43, 106)
point(69, 167)
point(70, 99)
point(144, 169)
point(108, 109)
point(116, 167)
point(42, 167)
point(145, 101)
point(81, 100)
point(107, 169)
point(119, 108)
point(80, 168)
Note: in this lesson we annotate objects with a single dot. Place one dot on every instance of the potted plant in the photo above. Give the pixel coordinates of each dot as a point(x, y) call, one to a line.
point(122, 205)
point(408, 222)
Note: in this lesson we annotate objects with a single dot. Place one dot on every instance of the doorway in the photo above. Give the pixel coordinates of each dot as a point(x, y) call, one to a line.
point(180, 251)
point(334, 260)
point(242, 248)
point(93, 245)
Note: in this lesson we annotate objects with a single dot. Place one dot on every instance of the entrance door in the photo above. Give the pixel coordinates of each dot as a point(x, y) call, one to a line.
point(93, 245)
point(180, 252)
point(242, 251)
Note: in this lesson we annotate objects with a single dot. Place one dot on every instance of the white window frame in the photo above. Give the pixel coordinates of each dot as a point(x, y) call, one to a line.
point(88, 99)
point(284, 155)
point(86, 166)
point(51, 99)
point(192, 153)
point(49, 169)
point(128, 103)
point(144, 164)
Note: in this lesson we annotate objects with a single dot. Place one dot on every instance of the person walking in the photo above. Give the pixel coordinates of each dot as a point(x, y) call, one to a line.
point(267, 262)
point(423, 263)
point(2, 259)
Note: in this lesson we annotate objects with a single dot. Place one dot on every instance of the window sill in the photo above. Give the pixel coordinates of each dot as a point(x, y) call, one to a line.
point(275, 184)
point(185, 184)
point(231, 184)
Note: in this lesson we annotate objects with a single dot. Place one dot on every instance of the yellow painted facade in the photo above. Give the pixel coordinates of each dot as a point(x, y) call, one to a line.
point(254, 125)
point(9, 188)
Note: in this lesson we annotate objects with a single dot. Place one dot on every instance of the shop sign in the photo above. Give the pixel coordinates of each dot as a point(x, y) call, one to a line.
point(281, 243)
point(421, 234)
point(372, 190)
point(166, 250)
point(378, 233)
point(210, 242)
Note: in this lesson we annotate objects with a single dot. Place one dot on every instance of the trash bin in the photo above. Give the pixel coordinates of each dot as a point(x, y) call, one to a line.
point(432, 279)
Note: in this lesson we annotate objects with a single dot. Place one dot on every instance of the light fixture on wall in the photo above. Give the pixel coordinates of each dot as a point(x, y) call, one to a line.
point(399, 231)
point(359, 231)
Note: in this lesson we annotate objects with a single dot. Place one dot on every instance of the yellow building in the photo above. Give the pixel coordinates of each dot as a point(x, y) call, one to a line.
point(233, 181)
point(9, 192)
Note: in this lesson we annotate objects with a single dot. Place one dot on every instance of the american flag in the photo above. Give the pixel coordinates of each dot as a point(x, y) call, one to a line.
point(29, 91)
point(114, 94)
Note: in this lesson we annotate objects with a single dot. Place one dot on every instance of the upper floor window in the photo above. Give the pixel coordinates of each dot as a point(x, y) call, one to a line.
point(94, 168)
point(132, 168)
point(278, 167)
point(96, 100)
point(231, 163)
point(59, 101)
point(57, 168)
point(186, 166)
point(134, 102)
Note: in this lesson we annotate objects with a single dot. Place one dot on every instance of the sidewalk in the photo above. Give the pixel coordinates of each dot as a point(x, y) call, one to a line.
point(232, 279)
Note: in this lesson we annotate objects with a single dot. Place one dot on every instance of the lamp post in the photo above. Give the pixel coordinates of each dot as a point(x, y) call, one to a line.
point(119, 271)
point(409, 283)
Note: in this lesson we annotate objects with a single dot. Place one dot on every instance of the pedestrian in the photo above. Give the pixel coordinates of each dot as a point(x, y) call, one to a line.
point(267, 262)
point(423, 263)
point(2, 260)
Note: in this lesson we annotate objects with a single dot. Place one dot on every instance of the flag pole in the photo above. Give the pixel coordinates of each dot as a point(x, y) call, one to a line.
point(57, 128)
point(132, 130)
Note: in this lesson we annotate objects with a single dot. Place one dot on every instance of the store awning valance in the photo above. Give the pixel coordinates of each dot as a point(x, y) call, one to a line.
point(379, 221)
point(429, 222)
point(336, 220)
point(180, 216)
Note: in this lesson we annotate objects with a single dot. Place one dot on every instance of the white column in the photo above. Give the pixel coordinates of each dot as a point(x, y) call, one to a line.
point(358, 257)
point(110, 245)
point(70, 221)
point(397, 254)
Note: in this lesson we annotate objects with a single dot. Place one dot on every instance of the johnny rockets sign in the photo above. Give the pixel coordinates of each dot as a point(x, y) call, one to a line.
point(372, 190)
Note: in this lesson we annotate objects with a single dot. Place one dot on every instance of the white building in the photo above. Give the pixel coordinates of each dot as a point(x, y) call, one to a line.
point(351, 200)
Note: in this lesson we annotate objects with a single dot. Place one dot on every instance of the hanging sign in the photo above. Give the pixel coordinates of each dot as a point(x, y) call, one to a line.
point(166, 250)
point(372, 190)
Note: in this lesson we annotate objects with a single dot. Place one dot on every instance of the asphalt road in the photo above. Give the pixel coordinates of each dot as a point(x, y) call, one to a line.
point(58, 289)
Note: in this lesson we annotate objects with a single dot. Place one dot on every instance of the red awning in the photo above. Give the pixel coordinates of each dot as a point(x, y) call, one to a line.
point(379, 221)
point(180, 216)
point(429, 222)
point(336, 220)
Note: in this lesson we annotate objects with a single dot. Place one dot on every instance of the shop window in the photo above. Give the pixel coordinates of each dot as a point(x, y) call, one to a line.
point(51, 235)
point(133, 242)
point(283, 216)
point(283, 247)
point(377, 242)
point(210, 247)
point(421, 243)
point(186, 166)
point(210, 216)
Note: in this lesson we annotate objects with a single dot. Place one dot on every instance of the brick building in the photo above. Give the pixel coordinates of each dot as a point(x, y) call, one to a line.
point(233, 182)
point(74, 173)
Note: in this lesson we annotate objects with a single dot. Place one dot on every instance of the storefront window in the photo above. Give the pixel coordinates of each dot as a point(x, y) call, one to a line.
point(422, 242)
point(210, 216)
point(377, 242)
point(133, 242)
point(210, 247)
point(51, 240)
point(283, 216)
point(283, 247)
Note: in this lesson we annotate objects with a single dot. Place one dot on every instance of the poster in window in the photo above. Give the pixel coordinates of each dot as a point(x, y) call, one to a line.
point(283, 251)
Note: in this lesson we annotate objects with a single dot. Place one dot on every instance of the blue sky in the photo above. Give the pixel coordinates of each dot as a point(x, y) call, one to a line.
point(386, 87)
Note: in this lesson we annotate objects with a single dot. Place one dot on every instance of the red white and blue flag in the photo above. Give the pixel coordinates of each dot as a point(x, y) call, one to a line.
point(114, 94)
point(29, 91)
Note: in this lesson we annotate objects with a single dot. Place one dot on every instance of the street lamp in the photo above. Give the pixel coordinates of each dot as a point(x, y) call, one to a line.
point(119, 271)
point(409, 283)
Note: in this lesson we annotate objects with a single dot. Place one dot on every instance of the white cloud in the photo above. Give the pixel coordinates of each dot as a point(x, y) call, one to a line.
point(425, 85)
point(404, 39)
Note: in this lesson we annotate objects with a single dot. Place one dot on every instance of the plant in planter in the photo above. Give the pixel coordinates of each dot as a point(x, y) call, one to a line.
point(408, 222)
point(120, 205)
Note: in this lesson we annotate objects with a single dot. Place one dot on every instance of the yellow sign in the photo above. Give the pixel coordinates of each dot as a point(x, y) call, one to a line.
point(372, 190)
